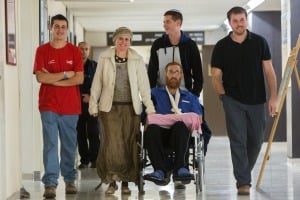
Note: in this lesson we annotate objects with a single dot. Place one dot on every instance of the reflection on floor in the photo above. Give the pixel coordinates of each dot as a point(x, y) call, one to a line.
point(280, 181)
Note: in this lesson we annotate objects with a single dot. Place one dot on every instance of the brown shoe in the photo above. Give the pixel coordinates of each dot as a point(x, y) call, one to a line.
point(125, 189)
point(244, 190)
point(50, 192)
point(111, 188)
point(71, 188)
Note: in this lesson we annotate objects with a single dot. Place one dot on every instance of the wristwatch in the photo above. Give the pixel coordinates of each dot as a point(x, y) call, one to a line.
point(65, 75)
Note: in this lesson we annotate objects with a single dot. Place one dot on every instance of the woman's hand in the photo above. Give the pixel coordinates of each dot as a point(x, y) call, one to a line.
point(95, 114)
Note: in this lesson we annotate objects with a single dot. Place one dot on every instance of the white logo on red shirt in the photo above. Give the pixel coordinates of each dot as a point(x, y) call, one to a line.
point(51, 62)
point(70, 62)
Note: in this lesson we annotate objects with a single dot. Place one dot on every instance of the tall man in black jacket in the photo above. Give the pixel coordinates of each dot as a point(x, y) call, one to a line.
point(176, 46)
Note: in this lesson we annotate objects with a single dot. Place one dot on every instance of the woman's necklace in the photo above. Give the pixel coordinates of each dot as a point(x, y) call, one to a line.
point(120, 60)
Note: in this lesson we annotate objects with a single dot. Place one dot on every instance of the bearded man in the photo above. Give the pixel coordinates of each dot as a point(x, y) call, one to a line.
point(242, 71)
point(170, 100)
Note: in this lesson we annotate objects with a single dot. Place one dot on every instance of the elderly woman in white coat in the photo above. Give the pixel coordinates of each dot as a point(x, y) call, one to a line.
point(119, 87)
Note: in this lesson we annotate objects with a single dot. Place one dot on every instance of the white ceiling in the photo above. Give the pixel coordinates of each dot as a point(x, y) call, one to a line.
point(147, 15)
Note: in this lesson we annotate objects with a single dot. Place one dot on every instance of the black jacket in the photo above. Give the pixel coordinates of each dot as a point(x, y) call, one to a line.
point(89, 72)
point(163, 52)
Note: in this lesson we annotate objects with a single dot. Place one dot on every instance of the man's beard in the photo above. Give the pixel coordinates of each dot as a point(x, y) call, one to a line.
point(173, 83)
point(240, 31)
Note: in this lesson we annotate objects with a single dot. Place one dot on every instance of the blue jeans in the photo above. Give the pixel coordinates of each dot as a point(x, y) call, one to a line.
point(245, 128)
point(64, 127)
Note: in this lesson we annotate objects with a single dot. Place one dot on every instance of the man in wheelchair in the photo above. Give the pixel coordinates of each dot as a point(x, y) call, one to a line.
point(168, 132)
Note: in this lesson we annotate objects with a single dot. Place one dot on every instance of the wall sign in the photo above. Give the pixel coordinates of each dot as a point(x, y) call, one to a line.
point(147, 38)
point(10, 32)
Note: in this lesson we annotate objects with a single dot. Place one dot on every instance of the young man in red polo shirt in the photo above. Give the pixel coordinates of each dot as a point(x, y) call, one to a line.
point(58, 67)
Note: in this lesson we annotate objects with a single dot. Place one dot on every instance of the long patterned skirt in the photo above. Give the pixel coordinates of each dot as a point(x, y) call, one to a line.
point(118, 153)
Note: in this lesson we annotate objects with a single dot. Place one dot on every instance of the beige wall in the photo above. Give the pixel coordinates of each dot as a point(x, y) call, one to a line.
point(20, 127)
point(79, 32)
point(96, 39)
point(55, 7)
point(28, 42)
point(10, 111)
point(214, 113)
point(2, 106)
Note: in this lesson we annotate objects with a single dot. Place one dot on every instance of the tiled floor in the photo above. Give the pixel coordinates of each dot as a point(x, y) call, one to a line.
point(280, 181)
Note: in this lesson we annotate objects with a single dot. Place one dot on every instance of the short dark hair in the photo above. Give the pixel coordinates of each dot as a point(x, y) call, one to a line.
point(176, 14)
point(236, 10)
point(59, 17)
point(83, 42)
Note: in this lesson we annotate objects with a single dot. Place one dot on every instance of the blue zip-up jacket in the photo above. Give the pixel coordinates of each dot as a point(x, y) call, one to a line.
point(188, 102)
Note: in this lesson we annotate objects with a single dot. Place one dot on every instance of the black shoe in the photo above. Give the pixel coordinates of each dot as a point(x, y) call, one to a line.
point(178, 185)
point(93, 164)
point(82, 166)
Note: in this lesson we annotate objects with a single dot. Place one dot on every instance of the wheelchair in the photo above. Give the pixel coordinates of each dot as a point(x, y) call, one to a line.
point(198, 145)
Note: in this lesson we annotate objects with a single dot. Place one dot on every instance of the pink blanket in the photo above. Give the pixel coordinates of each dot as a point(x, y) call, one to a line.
point(191, 120)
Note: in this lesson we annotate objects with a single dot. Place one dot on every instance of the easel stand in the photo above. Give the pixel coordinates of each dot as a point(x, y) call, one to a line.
point(291, 67)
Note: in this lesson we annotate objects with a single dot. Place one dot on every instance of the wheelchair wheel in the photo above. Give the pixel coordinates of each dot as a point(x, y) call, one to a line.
point(200, 178)
point(201, 174)
point(141, 163)
point(197, 183)
point(141, 184)
point(200, 159)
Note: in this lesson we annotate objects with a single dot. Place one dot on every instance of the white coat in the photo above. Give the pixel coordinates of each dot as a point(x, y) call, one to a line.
point(102, 90)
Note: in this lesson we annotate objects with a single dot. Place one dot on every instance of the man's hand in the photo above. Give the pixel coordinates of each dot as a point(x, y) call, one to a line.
point(85, 98)
point(45, 70)
point(272, 104)
point(46, 77)
point(200, 119)
point(70, 74)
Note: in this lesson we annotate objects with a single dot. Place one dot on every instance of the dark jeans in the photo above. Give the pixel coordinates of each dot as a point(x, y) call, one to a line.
point(245, 128)
point(88, 138)
point(160, 142)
